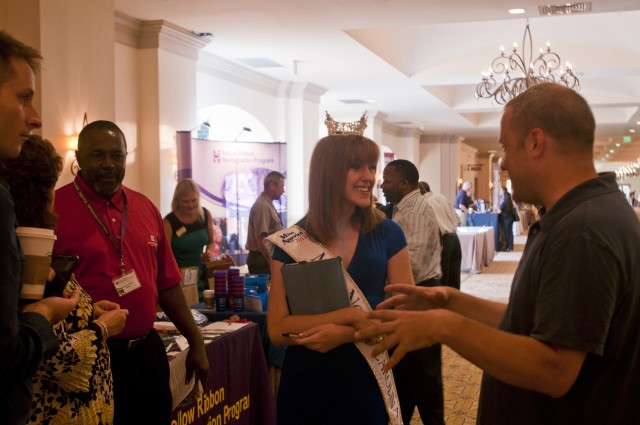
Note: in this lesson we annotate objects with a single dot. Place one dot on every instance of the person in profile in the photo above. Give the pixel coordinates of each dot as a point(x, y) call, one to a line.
point(419, 376)
point(26, 336)
point(191, 233)
point(75, 385)
point(564, 349)
point(326, 378)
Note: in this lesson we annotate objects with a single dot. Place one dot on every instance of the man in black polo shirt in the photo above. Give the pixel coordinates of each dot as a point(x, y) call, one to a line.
point(564, 350)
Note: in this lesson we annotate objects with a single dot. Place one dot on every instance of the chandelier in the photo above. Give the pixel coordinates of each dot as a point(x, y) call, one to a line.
point(628, 170)
point(547, 67)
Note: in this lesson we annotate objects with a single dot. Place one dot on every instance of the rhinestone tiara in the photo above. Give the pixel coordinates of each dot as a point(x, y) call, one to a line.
point(337, 128)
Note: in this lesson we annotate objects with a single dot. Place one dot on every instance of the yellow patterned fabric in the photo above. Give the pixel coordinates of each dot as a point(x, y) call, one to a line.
point(75, 385)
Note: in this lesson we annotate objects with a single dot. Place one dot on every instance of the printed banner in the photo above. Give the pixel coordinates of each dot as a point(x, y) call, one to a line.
point(231, 176)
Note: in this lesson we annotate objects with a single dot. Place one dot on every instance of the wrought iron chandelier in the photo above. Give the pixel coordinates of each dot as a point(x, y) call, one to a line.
point(547, 67)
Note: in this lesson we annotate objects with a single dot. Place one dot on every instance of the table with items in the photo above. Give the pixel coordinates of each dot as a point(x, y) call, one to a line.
point(273, 353)
point(238, 389)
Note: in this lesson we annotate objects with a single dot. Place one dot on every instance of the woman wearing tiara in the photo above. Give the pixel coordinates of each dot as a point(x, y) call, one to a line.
point(326, 378)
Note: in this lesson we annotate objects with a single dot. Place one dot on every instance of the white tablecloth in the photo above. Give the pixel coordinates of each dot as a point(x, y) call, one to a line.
point(478, 249)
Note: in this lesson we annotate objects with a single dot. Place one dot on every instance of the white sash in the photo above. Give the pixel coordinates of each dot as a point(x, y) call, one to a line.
point(295, 242)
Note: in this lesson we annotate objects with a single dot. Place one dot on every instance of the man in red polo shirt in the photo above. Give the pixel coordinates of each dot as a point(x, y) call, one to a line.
point(125, 258)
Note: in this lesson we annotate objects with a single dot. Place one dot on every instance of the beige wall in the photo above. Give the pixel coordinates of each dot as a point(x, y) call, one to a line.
point(75, 38)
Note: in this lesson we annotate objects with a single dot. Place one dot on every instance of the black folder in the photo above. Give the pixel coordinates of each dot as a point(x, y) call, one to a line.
point(315, 287)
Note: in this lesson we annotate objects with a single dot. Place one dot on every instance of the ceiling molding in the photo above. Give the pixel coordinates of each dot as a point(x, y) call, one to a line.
point(237, 74)
point(158, 34)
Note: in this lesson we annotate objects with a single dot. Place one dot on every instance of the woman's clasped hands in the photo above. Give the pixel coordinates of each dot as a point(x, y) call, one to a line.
point(111, 315)
point(325, 337)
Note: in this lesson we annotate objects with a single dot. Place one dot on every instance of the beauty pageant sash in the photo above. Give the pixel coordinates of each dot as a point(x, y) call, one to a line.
point(295, 242)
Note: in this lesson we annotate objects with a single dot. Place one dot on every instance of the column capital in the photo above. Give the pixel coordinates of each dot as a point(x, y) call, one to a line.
point(307, 91)
point(158, 34)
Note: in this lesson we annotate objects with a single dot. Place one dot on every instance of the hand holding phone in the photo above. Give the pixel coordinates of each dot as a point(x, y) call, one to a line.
point(63, 266)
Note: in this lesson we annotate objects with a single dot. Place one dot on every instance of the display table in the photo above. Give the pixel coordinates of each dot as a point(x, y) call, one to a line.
point(238, 390)
point(487, 219)
point(477, 248)
point(274, 354)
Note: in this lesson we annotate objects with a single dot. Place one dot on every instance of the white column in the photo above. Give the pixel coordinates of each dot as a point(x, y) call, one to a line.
point(439, 163)
point(156, 77)
point(298, 104)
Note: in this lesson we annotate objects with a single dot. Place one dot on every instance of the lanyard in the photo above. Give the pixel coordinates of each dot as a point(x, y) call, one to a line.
point(123, 223)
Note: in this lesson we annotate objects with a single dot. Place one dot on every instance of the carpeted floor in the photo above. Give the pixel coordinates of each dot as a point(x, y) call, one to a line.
point(461, 378)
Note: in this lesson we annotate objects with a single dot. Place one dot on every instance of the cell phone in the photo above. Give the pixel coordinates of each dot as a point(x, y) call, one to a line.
point(63, 266)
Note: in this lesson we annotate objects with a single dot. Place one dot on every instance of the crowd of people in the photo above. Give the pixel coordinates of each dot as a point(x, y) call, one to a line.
point(563, 349)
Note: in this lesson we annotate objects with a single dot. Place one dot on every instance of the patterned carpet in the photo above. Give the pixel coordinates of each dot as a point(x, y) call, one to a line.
point(461, 378)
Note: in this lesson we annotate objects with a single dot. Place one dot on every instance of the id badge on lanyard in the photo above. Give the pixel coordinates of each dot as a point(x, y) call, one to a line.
point(126, 283)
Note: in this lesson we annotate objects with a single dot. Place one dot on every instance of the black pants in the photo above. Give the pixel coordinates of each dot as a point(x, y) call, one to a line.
point(257, 264)
point(419, 381)
point(507, 231)
point(141, 390)
point(451, 260)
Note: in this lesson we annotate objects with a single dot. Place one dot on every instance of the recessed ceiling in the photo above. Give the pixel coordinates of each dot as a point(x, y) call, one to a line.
point(421, 59)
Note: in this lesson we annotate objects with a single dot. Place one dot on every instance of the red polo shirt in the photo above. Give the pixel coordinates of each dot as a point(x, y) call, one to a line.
point(145, 249)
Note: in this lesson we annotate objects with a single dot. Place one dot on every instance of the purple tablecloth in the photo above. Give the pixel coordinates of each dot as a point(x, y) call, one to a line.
point(238, 390)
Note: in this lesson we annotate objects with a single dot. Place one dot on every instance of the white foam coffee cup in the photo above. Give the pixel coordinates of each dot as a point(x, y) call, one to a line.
point(35, 240)
point(37, 245)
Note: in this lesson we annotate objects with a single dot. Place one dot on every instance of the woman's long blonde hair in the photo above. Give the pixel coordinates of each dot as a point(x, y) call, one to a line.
point(331, 160)
point(183, 187)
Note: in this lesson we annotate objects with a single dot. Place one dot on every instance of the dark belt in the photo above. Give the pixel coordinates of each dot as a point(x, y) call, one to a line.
point(127, 344)
point(434, 281)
